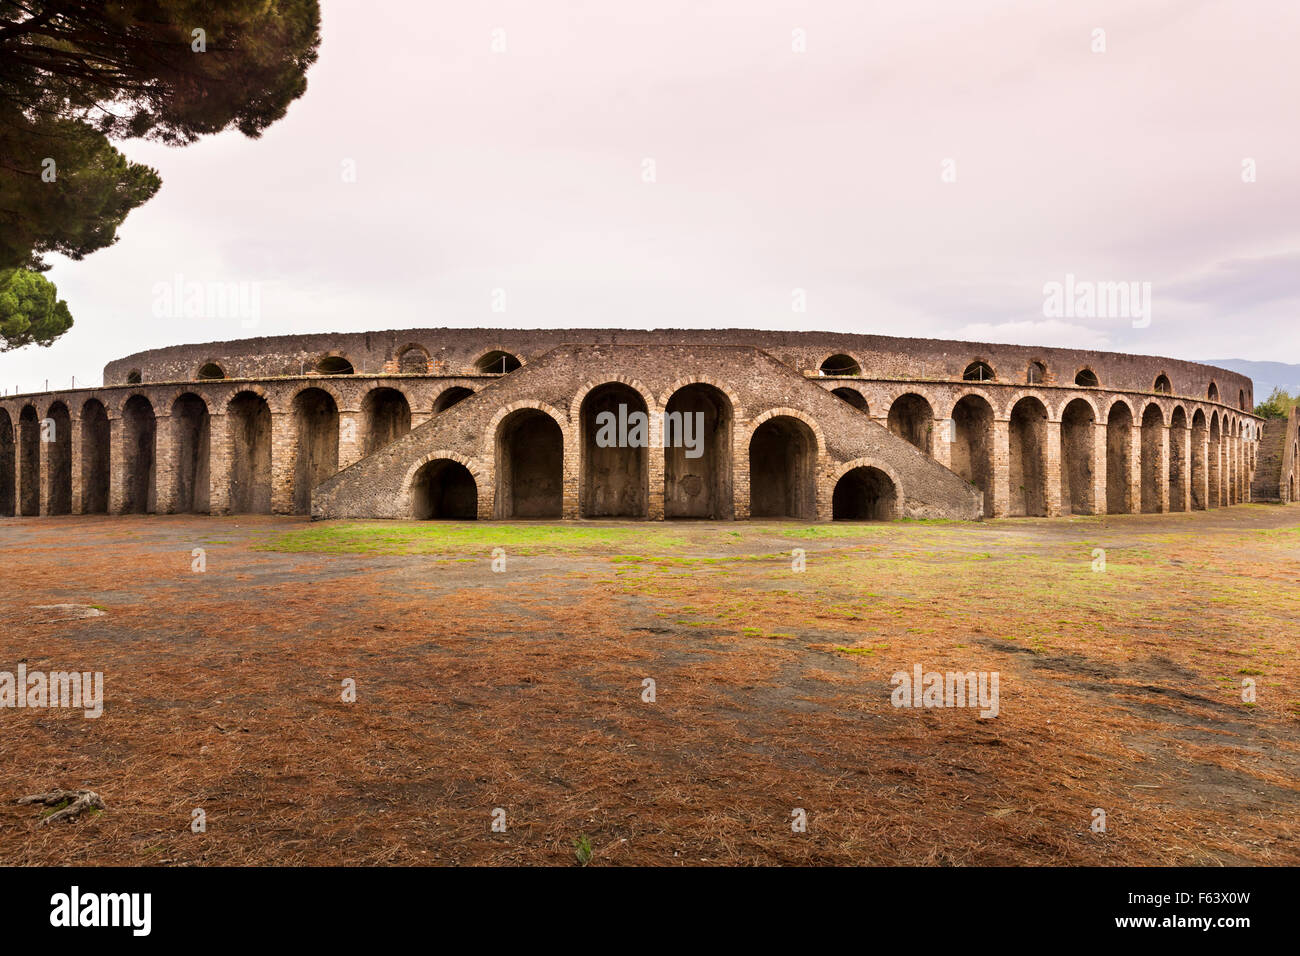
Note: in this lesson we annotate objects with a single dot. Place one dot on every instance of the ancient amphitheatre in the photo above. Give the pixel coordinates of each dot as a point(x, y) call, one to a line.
point(477, 423)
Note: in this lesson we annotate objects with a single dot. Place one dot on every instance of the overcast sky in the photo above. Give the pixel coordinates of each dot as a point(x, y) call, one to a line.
point(525, 170)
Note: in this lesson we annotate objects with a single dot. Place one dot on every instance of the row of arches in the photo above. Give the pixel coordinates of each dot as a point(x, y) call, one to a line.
point(412, 359)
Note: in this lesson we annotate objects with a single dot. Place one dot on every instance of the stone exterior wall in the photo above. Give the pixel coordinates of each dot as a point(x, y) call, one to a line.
point(930, 443)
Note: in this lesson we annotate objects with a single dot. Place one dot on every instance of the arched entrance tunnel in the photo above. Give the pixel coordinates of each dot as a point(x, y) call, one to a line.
point(59, 448)
point(972, 445)
point(530, 466)
point(1153, 456)
point(316, 427)
point(192, 426)
point(444, 490)
point(1119, 459)
point(1178, 461)
point(7, 466)
point(140, 428)
point(615, 451)
point(1028, 459)
point(783, 470)
point(29, 460)
point(250, 451)
point(912, 419)
point(95, 435)
point(697, 453)
point(1078, 437)
point(387, 417)
point(864, 494)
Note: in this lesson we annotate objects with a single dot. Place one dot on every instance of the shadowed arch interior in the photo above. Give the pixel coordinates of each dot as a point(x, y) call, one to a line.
point(453, 395)
point(1078, 431)
point(58, 445)
point(972, 445)
point(1215, 459)
point(386, 415)
point(7, 468)
point(95, 437)
point(614, 465)
point(413, 361)
point(1028, 458)
point(139, 434)
point(783, 470)
point(29, 462)
point(444, 490)
point(912, 419)
point(211, 370)
point(841, 365)
point(497, 362)
point(864, 494)
point(1119, 459)
point(1199, 464)
point(697, 479)
point(1153, 459)
point(334, 365)
point(316, 451)
point(192, 437)
point(853, 397)
point(529, 465)
point(249, 419)
point(1179, 465)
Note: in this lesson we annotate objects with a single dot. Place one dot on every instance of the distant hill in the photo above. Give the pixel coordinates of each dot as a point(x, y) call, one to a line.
point(1266, 375)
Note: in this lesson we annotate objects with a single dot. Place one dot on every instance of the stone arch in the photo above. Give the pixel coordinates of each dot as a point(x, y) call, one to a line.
point(1078, 441)
point(783, 454)
point(971, 454)
point(8, 470)
point(139, 441)
point(575, 405)
point(96, 436)
point(865, 490)
point(451, 396)
point(497, 361)
point(1241, 400)
point(839, 365)
point(1087, 378)
point(1199, 464)
point(613, 421)
point(192, 448)
point(911, 418)
point(1216, 460)
point(58, 447)
point(1027, 462)
point(1119, 458)
point(1212, 393)
point(737, 407)
point(979, 370)
point(134, 377)
point(210, 371)
point(316, 444)
point(853, 397)
point(334, 363)
point(529, 465)
point(698, 485)
point(413, 359)
point(443, 486)
point(1162, 385)
point(248, 421)
point(1153, 457)
point(29, 461)
point(1179, 465)
point(385, 416)
point(1036, 372)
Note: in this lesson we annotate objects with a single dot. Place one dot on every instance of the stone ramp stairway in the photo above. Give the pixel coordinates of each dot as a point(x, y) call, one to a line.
point(1268, 469)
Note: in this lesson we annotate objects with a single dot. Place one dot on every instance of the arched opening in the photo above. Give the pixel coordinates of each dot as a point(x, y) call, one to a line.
point(912, 419)
point(614, 453)
point(134, 377)
point(450, 397)
point(334, 365)
point(864, 494)
point(1036, 374)
point(972, 445)
point(529, 465)
point(139, 434)
point(841, 365)
point(1078, 433)
point(316, 450)
point(1119, 459)
point(853, 397)
point(497, 362)
point(58, 446)
point(1216, 461)
point(1199, 463)
point(1162, 384)
point(1241, 400)
point(978, 372)
point(29, 462)
point(1086, 378)
point(1179, 476)
point(192, 437)
point(1213, 392)
point(413, 361)
point(1028, 460)
point(783, 470)
point(1153, 458)
point(7, 470)
point(95, 438)
point(249, 420)
point(387, 417)
point(211, 370)
point(444, 490)
point(697, 453)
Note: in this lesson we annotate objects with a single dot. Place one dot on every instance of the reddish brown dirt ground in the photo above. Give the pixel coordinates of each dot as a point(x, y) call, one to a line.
point(522, 690)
